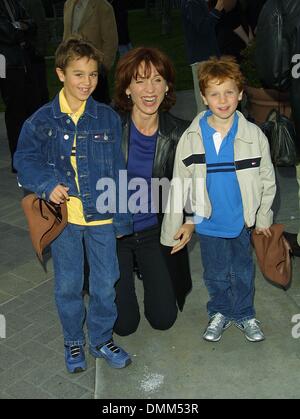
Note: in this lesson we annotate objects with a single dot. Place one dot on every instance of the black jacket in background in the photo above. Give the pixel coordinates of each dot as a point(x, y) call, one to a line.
point(121, 16)
point(275, 49)
point(199, 27)
point(15, 44)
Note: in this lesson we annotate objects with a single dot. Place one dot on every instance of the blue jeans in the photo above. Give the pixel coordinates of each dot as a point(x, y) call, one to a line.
point(68, 259)
point(229, 275)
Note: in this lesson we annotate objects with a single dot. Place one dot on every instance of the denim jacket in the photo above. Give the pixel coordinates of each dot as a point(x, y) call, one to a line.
point(43, 155)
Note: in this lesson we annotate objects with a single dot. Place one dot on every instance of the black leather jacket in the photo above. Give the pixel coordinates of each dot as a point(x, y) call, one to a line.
point(274, 53)
point(15, 44)
point(169, 132)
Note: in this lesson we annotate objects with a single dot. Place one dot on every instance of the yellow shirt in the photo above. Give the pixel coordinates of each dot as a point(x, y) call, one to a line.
point(74, 205)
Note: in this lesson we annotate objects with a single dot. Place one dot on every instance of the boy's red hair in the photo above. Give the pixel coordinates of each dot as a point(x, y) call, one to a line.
point(219, 69)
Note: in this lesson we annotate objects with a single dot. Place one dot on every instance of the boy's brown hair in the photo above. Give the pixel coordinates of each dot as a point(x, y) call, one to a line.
point(75, 48)
point(220, 69)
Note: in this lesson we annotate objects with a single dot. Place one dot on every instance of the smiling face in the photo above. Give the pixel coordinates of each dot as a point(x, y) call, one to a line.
point(80, 79)
point(147, 93)
point(222, 99)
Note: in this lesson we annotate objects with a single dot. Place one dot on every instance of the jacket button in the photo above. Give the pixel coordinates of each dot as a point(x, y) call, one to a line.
point(69, 173)
point(50, 132)
point(43, 195)
point(105, 137)
point(62, 157)
point(68, 121)
point(66, 137)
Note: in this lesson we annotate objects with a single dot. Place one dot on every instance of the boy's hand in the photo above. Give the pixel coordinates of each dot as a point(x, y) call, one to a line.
point(184, 234)
point(265, 231)
point(59, 194)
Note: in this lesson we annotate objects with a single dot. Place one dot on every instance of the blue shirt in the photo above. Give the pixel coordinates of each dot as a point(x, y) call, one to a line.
point(140, 165)
point(227, 218)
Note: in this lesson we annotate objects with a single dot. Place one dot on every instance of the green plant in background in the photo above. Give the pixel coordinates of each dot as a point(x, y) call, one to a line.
point(248, 66)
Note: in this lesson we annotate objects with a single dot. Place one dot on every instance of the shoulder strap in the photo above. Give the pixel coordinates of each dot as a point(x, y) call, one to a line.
point(9, 11)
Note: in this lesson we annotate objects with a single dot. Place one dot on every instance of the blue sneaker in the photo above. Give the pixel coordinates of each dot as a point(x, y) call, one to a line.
point(115, 356)
point(75, 358)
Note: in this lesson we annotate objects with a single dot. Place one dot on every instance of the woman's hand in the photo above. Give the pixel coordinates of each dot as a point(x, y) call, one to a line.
point(59, 194)
point(184, 234)
point(265, 231)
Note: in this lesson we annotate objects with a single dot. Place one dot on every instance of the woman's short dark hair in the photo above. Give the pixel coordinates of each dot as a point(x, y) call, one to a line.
point(128, 67)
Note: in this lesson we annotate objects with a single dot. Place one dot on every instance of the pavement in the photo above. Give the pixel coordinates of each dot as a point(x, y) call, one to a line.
point(174, 364)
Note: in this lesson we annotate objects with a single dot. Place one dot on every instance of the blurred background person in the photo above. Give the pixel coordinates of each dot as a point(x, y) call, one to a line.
point(20, 88)
point(199, 26)
point(94, 20)
point(121, 15)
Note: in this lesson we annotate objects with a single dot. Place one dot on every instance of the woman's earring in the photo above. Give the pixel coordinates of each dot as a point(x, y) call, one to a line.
point(128, 97)
point(166, 94)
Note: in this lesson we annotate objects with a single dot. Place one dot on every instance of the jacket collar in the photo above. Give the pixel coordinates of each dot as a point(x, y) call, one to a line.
point(165, 127)
point(89, 11)
point(242, 133)
point(90, 109)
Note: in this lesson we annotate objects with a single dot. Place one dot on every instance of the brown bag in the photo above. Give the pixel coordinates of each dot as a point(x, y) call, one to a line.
point(46, 221)
point(273, 255)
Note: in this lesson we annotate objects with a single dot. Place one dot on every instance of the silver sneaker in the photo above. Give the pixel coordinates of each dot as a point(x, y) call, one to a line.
point(216, 326)
point(251, 330)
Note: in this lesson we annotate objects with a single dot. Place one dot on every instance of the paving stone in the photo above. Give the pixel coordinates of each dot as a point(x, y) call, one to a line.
point(87, 379)
point(9, 376)
point(5, 396)
point(33, 272)
point(17, 322)
point(57, 345)
point(4, 298)
point(24, 336)
point(24, 390)
point(9, 357)
point(46, 288)
point(36, 351)
point(51, 307)
point(48, 369)
point(43, 318)
point(88, 396)
point(62, 388)
point(14, 285)
point(11, 305)
point(49, 335)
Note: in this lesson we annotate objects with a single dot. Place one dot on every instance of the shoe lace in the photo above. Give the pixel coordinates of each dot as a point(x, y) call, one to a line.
point(216, 321)
point(75, 351)
point(111, 346)
point(252, 324)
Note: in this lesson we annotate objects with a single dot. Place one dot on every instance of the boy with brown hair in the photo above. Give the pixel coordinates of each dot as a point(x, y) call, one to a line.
point(228, 162)
point(64, 149)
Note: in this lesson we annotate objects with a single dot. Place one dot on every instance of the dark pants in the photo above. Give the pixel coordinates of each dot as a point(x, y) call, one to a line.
point(229, 275)
point(101, 93)
point(22, 93)
point(159, 298)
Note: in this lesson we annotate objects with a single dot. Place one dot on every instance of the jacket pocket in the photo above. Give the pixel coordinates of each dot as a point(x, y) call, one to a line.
point(50, 136)
point(102, 145)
